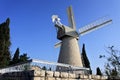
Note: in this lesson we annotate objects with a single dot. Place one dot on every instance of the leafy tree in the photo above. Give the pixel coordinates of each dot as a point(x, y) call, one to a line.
point(85, 60)
point(16, 56)
point(98, 71)
point(44, 68)
point(5, 43)
point(23, 58)
point(112, 67)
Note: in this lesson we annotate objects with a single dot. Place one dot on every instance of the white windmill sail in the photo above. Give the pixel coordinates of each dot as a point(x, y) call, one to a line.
point(58, 44)
point(95, 25)
point(71, 17)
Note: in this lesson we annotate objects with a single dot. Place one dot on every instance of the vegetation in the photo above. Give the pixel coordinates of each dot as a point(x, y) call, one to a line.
point(98, 71)
point(5, 44)
point(85, 59)
point(23, 57)
point(112, 67)
point(5, 55)
point(44, 68)
point(17, 58)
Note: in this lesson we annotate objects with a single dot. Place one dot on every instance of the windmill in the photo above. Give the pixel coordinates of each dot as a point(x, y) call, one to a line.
point(68, 35)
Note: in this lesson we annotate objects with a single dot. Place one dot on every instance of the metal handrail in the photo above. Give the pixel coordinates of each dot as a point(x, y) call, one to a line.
point(40, 64)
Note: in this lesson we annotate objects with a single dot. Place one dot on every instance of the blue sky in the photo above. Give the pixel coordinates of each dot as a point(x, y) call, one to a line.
point(33, 32)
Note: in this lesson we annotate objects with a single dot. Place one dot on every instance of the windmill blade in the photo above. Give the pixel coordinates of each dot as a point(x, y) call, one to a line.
point(58, 44)
point(71, 17)
point(95, 25)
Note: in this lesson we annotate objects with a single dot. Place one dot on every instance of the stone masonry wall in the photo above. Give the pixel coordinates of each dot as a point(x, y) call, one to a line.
point(48, 75)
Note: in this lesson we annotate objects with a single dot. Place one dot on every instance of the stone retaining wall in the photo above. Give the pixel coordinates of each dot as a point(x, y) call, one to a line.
point(48, 75)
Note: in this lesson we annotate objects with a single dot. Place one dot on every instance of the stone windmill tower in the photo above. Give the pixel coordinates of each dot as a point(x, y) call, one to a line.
point(68, 35)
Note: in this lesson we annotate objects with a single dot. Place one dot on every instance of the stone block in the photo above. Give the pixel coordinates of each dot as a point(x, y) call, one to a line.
point(35, 68)
point(92, 76)
point(56, 74)
point(57, 78)
point(77, 76)
point(49, 78)
point(64, 78)
point(36, 73)
point(81, 76)
point(104, 77)
point(71, 75)
point(36, 78)
point(96, 77)
point(39, 73)
point(84, 79)
point(42, 78)
point(42, 73)
point(64, 75)
point(49, 73)
point(72, 79)
point(84, 76)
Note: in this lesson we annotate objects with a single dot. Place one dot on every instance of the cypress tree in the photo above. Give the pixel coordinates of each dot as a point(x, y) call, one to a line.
point(98, 71)
point(85, 60)
point(5, 43)
point(16, 56)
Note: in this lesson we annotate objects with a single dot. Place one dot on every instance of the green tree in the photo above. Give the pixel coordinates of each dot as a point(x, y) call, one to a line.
point(5, 56)
point(85, 59)
point(5, 43)
point(23, 58)
point(16, 56)
point(98, 71)
point(112, 67)
point(44, 68)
